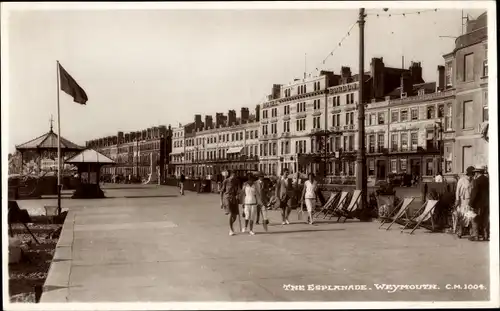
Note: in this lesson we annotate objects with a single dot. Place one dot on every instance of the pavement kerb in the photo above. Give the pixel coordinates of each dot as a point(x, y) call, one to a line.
point(55, 288)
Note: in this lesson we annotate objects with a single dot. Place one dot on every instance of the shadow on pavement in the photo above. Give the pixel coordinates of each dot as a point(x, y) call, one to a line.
point(298, 231)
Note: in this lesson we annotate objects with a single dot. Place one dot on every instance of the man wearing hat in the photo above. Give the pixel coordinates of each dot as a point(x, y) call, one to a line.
point(462, 201)
point(263, 194)
point(480, 203)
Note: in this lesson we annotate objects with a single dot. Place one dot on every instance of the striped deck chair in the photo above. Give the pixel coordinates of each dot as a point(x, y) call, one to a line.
point(426, 215)
point(337, 208)
point(327, 205)
point(356, 195)
point(401, 209)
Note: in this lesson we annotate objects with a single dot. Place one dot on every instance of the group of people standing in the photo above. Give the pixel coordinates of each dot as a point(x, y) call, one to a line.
point(255, 198)
point(472, 205)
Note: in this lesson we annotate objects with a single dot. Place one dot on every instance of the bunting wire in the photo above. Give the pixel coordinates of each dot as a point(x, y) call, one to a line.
point(338, 45)
point(401, 14)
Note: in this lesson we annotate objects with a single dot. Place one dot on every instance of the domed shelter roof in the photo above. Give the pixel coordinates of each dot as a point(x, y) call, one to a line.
point(48, 141)
point(90, 156)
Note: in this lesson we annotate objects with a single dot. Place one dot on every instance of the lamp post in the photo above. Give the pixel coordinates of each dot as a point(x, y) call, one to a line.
point(361, 183)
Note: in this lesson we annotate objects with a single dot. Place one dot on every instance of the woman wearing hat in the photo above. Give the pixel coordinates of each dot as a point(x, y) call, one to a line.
point(462, 198)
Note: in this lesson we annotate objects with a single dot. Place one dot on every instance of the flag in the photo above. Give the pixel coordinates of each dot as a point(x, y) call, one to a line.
point(70, 87)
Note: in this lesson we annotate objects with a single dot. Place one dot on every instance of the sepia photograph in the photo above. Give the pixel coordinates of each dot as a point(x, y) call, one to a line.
point(249, 155)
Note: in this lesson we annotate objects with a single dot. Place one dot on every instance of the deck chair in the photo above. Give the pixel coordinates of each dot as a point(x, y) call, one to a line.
point(327, 205)
point(337, 208)
point(416, 221)
point(16, 215)
point(401, 209)
point(356, 195)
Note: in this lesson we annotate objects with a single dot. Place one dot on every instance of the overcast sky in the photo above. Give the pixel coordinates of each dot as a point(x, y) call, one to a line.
point(147, 68)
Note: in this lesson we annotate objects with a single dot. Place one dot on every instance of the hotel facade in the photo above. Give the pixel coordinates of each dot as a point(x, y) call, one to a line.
point(311, 124)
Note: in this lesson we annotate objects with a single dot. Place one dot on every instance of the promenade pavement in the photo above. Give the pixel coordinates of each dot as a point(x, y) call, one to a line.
point(147, 243)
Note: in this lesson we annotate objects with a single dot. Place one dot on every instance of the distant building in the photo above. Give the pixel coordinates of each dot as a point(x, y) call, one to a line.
point(135, 152)
point(206, 149)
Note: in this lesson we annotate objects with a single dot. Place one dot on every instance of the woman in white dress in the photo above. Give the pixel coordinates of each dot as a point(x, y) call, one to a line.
point(251, 200)
point(309, 195)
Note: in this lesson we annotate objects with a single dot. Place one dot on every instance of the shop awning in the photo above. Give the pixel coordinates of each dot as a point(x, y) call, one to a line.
point(234, 150)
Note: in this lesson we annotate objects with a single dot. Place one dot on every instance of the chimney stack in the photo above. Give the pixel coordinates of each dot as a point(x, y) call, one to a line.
point(275, 93)
point(440, 81)
point(406, 84)
point(377, 73)
point(245, 114)
point(257, 113)
point(219, 119)
point(208, 122)
point(416, 72)
point(345, 75)
point(197, 122)
point(231, 118)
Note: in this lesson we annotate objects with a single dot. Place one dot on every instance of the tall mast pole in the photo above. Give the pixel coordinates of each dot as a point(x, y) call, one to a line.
point(59, 164)
point(361, 183)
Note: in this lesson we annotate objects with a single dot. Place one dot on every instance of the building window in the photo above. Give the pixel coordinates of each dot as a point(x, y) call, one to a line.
point(371, 144)
point(381, 142)
point(449, 70)
point(394, 142)
point(381, 118)
point(440, 111)
point(414, 114)
point(274, 112)
point(467, 157)
point(334, 101)
point(431, 112)
point(414, 140)
point(256, 134)
point(286, 110)
point(429, 167)
point(421, 92)
point(394, 166)
point(404, 141)
point(373, 119)
point(402, 165)
point(317, 104)
point(301, 125)
point(286, 126)
point(371, 167)
point(274, 128)
point(469, 67)
point(404, 115)
point(485, 107)
point(394, 116)
point(316, 122)
point(241, 135)
point(264, 114)
point(467, 114)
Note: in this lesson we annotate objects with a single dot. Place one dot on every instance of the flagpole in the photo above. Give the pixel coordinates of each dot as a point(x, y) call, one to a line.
point(59, 186)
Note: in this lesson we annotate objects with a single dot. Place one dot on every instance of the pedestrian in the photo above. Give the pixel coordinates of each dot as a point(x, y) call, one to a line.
point(229, 198)
point(263, 193)
point(462, 202)
point(182, 179)
point(309, 195)
point(480, 203)
point(250, 202)
point(284, 193)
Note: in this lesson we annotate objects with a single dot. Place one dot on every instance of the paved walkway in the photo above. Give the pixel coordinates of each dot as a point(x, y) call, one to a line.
point(148, 244)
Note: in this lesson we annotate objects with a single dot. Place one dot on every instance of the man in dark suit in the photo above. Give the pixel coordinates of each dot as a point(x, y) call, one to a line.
point(480, 203)
point(285, 193)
